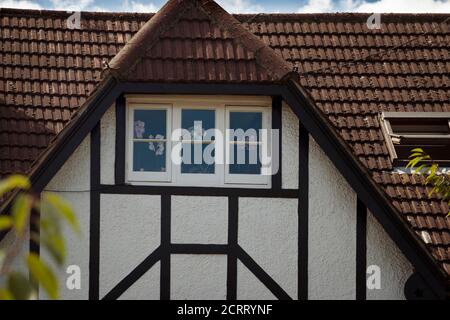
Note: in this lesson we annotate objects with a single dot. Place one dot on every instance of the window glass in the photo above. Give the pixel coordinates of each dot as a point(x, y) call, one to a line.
point(245, 142)
point(201, 126)
point(150, 123)
point(247, 121)
point(420, 126)
point(199, 143)
point(149, 140)
point(405, 132)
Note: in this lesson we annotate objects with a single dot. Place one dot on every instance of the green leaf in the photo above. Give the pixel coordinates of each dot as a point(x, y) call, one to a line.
point(21, 211)
point(414, 161)
point(5, 222)
point(43, 275)
point(420, 150)
point(448, 214)
point(50, 224)
point(19, 286)
point(413, 155)
point(63, 208)
point(55, 245)
point(5, 295)
point(14, 182)
point(433, 170)
point(2, 257)
point(420, 169)
point(430, 194)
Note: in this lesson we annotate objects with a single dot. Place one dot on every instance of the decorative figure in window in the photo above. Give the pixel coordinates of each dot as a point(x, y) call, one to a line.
point(139, 129)
point(157, 147)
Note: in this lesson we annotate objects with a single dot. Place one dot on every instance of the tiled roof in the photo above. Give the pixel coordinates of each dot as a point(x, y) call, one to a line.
point(196, 41)
point(47, 71)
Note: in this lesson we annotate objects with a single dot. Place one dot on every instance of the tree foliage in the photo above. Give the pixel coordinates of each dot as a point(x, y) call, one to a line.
point(38, 272)
point(421, 163)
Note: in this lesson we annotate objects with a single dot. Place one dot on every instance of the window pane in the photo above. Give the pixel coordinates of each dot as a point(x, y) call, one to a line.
point(197, 122)
point(204, 119)
point(246, 121)
point(419, 126)
point(149, 156)
point(245, 156)
point(245, 159)
point(202, 162)
point(150, 124)
point(438, 152)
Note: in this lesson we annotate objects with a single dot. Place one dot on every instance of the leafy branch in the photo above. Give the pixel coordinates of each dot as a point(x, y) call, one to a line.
point(421, 163)
point(54, 211)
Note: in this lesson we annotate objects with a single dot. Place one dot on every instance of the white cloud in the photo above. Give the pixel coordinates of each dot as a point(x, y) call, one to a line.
point(240, 6)
point(19, 4)
point(137, 6)
point(98, 9)
point(71, 5)
point(314, 6)
point(404, 6)
point(248, 6)
point(383, 6)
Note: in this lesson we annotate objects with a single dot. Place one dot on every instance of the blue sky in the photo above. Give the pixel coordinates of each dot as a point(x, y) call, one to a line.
point(243, 6)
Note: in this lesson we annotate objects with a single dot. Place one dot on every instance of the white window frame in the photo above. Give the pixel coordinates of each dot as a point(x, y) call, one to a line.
point(266, 121)
point(135, 176)
point(174, 105)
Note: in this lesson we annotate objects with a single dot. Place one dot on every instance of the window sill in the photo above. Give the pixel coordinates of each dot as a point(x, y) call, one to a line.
point(203, 184)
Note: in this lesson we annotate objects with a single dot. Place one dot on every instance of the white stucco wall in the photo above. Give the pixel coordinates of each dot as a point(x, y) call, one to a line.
point(73, 182)
point(147, 287)
point(332, 230)
point(199, 219)
point(268, 232)
point(130, 230)
point(108, 145)
point(249, 287)
point(395, 269)
point(198, 277)
point(289, 139)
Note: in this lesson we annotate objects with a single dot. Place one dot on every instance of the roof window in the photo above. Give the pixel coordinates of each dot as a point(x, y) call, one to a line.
point(404, 131)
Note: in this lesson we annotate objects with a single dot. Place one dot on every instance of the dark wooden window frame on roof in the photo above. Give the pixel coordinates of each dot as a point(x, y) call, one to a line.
point(404, 131)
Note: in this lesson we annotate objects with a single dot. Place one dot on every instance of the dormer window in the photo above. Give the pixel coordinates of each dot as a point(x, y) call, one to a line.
point(404, 131)
point(199, 141)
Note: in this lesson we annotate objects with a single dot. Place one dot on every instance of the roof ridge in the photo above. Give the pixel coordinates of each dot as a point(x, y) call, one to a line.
point(265, 56)
point(166, 18)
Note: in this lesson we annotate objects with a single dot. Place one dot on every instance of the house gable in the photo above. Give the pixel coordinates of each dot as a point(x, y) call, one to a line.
point(91, 114)
point(331, 258)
